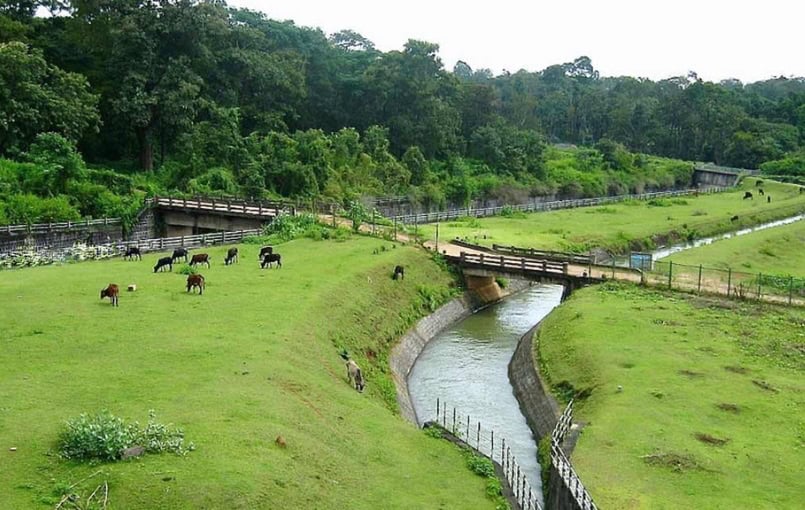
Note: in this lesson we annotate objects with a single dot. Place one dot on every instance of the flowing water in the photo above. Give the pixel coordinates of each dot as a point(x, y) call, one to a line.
point(466, 366)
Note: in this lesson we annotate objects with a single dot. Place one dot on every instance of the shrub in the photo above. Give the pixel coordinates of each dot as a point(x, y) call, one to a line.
point(187, 269)
point(480, 465)
point(502, 282)
point(104, 437)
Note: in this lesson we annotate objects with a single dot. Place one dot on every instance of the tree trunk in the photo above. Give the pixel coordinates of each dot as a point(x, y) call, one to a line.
point(146, 148)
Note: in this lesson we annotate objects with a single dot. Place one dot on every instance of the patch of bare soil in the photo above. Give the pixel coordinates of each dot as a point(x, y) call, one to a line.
point(730, 408)
point(766, 386)
point(708, 439)
point(690, 373)
point(736, 369)
point(677, 462)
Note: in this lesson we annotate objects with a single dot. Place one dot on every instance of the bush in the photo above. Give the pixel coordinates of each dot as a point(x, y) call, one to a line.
point(480, 465)
point(287, 227)
point(187, 269)
point(502, 282)
point(105, 436)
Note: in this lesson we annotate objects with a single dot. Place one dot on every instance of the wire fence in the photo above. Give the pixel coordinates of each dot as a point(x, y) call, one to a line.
point(786, 289)
point(494, 447)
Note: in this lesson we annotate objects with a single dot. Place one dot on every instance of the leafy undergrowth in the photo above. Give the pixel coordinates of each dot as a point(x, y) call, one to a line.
point(693, 403)
point(252, 359)
point(632, 225)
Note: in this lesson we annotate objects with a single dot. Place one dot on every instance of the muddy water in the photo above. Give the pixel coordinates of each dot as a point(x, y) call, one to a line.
point(467, 367)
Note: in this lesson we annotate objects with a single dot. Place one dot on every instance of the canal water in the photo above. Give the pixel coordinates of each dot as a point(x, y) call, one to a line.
point(466, 367)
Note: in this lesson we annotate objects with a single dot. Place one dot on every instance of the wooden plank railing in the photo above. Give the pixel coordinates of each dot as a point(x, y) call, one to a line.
point(43, 228)
point(167, 243)
point(573, 258)
point(412, 219)
point(259, 208)
point(517, 264)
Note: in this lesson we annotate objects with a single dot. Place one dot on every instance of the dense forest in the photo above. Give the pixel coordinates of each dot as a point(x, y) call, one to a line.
point(104, 101)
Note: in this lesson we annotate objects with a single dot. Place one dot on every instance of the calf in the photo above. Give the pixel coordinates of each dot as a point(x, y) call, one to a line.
point(200, 258)
point(195, 280)
point(231, 256)
point(399, 272)
point(162, 263)
point(266, 250)
point(354, 375)
point(179, 253)
point(734, 218)
point(270, 259)
point(768, 199)
point(111, 292)
point(758, 182)
point(131, 252)
point(760, 192)
point(748, 194)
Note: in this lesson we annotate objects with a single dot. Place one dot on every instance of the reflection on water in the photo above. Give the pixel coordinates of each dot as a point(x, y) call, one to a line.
point(467, 367)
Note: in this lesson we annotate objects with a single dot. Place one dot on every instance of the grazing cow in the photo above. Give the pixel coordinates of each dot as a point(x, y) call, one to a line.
point(195, 280)
point(162, 263)
point(354, 375)
point(231, 256)
point(768, 199)
point(760, 192)
point(200, 258)
point(179, 253)
point(758, 182)
point(748, 194)
point(399, 272)
point(734, 218)
point(111, 292)
point(265, 250)
point(270, 259)
point(131, 252)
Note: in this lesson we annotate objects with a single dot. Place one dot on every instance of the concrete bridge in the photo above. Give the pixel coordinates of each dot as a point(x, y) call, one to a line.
point(173, 217)
point(722, 176)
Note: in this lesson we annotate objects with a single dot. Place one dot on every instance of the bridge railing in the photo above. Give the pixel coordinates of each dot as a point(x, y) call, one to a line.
point(515, 264)
point(225, 206)
point(573, 258)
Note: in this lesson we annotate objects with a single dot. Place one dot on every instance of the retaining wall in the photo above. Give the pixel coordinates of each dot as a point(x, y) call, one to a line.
point(405, 353)
point(540, 409)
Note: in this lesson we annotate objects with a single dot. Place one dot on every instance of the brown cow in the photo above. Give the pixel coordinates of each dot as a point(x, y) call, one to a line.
point(195, 280)
point(111, 292)
point(200, 258)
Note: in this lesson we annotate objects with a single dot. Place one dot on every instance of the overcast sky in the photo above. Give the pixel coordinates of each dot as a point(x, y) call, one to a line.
point(657, 39)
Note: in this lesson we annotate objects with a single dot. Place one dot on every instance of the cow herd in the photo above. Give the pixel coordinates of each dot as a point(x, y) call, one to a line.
point(194, 281)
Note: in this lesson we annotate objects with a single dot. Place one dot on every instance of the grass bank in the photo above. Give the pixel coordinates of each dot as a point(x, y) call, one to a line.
point(255, 357)
point(778, 250)
point(710, 412)
point(633, 225)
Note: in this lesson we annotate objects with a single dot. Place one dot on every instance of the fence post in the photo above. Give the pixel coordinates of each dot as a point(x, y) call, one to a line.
point(468, 429)
point(454, 421)
point(699, 288)
point(670, 273)
point(790, 289)
point(493, 445)
point(729, 281)
point(564, 268)
point(759, 283)
point(478, 437)
point(437, 409)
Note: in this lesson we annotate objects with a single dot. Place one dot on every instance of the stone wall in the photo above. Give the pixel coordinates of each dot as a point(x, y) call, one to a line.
point(94, 234)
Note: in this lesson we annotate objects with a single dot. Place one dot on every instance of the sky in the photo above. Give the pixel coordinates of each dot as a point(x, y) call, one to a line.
point(654, 39)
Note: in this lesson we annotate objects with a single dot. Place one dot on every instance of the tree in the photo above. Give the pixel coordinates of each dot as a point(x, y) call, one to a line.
point(58, 159)
point(37, 97)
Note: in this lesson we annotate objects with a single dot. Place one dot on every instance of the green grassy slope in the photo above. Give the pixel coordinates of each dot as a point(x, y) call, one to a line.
point(678, 359)
point(619, 227)
point(251, 359)
point(779, 250)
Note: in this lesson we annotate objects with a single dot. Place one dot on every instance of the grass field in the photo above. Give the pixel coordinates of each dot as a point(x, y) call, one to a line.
point(711, 412)
point(778, 250)
point(255, 357)
point(630, 225)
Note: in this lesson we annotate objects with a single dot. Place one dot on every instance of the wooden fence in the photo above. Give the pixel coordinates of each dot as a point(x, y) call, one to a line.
point(493, 447)
point(167, 243)
point(415, 219)
point(562, 464)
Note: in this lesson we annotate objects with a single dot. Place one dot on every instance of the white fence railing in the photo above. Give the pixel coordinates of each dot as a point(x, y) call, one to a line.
point(562, 464)
point(411, 219)
point(44, 228)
